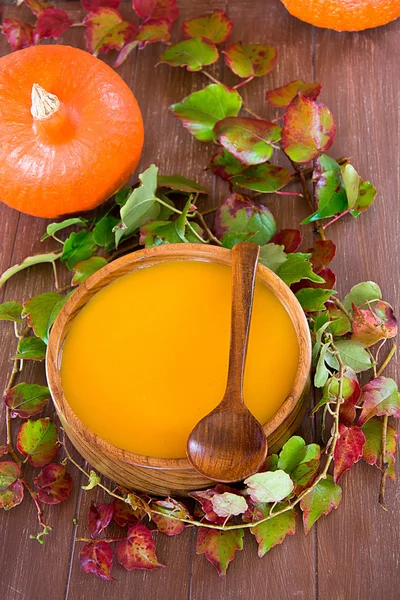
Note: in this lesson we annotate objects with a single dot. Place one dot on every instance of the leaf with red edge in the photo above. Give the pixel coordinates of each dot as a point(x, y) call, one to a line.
point(138, 550)
point(106, 30)
point(38, 441)
point(124, 514)
point(54, 484)
point(27, 399)
point(36, 6)
point(97, 558)
point(308, 129)
point(169, 506)
point(372, 450)
point(323, 498)
point(99, 517)
point(156, 9)
point(282, 96)
point(348, 449)
point(248, 140)
point(224, 165)
point(250, 60)
point(205, 497)
point(125, 52)
point(330, 192)
point(290, 239)
point(322, 254)
point(156, 30)
point(373, 323)
point(215, 27)
point(51, 23)
point(19, 35)
point(379, 397)
point(194, 53)
point(11, 488)
point(219, 547)
point(265, 178)
point(228, 504)
point(92, 5)
point(273, 532)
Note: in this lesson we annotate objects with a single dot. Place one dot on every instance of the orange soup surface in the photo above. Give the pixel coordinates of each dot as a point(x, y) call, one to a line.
point(147, 357)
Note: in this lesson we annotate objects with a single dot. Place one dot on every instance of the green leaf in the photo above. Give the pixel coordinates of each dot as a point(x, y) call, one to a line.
point(224, 165)
point(194, 53)
point(27, 399)
point(351, 180)
point(11, 488)
point(38, 441)
point(306, 470)
point(56, 310)
point(323, 498)
point(49, 257)
point(248, 140)
point(11, 311)
point(200, 111)
point(265, 178)
point(122, 196)
point(273, 532)
point(271, 486)
point(86, 268)
point(79, 246)
point(55, 227)
point(321, 372)
point(38, 310)
point(313, 299)
point(329, 190)
point(361, 294)
point(227, 504)
point(366, 197)
point(103, 233)
point(318, 342)
point(297, 267)
point(31, 348)
point(354, 355)
point(379, 397)
point(219, 547)
point(180, 183)
point(272, 256)
point(247, 60)
point(291, 454)
point(215, 27)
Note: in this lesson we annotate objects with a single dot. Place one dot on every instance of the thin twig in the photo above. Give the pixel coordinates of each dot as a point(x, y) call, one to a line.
point(9, 441)
point(387, 360)
point(209, 211)
point(242, 83)
point(342, 214)
point(384, 463)
point(39, 509)
point(208, 230)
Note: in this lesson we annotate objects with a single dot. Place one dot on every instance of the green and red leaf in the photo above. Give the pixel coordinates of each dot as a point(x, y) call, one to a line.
point(30, 348)
point(379, 397)
point(156, 9)
point(340, 323)
point(273, 532)
point(99, 517)
point(250, 60)
point(167, 507)
point(282, 96)
point(297, 267)
point(97, 558)
point(215, 27)
point(374, 323)
point(19, 35)
point(265, 178)
point(322, 499)
point(155, 30)
point(106, 30)
point(26, 399)
point(124, 514)
point(372, 450)
point(290, 239)
point(54, 484)
point(348, 449)
point(51, 23)
point(138, 550)
point(121, 58)
point(11, 488)
point(322, 254)
point(219, 547)
point(38, 441)
point(224, 165)
point(11, 311)
point(194, 53)
point(248, 140)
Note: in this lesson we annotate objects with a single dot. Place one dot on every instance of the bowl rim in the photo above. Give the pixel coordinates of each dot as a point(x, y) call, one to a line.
point(147, 257)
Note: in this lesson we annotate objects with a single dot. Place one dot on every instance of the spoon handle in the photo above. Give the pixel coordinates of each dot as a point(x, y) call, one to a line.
point(244, 267)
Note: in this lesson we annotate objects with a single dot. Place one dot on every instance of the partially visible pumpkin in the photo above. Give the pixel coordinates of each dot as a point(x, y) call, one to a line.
point(71, 131)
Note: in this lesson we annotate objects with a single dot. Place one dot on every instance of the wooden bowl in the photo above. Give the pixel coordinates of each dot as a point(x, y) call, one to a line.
point(165, 476)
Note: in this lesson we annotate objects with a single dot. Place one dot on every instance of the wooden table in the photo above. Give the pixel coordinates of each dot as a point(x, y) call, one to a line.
point(354, 553)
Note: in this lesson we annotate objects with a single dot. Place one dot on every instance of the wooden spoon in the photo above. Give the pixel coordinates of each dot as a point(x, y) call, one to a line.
point(229, 444)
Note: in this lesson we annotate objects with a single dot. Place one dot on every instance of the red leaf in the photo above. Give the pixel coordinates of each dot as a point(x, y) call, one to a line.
point(250, 60)
point(348, 449)
point(351, 392)
point(322, 254)
point(289, 238)
point(92, 5)
point(19, 35)
point(124, 514)
point(99, 517)
point(97, 558)
point(308, 129)
point(373, 323)
point(329, 282)
point(282, 96)
point(54, 484)
point(219, 547)
point(156, 9)
point(204, 497)
point(37, 6)
point(379, 397)
point(51, 23)
point(169, 506)
point(156, 30)
point(215, 27)
point(138, 550)
point(106, 30)
point(11, 488)
point(372, 451)
point(38, 441)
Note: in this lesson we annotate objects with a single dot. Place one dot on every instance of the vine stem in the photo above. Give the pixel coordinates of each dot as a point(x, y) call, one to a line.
point(39, 509)
point(208, 230)
point(245, 107)
point(342, 214)
point(242, 83)
point(15, 370)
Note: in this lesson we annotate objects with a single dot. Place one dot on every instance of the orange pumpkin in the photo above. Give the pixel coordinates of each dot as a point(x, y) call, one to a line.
point(71, 131)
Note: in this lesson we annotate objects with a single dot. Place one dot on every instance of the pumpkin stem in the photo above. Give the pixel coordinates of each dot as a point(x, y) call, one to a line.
point(44, 104)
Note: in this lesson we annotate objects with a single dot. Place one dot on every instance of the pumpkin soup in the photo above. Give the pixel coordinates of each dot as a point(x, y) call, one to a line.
point(147, 357)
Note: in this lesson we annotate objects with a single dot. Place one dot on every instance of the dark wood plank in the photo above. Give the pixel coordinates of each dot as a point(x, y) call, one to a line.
point(357, 556)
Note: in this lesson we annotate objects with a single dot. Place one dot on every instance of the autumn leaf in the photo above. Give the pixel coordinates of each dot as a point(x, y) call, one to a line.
point(124, 514)
point(362, 293)
point(30, 348)
point(78, 247)
point(328, 283)
point(304, 473)
point(297, 267)
point(372, 450)
point(323, 498)
point(351, 393)
point(322, 254)
point(156, 9)
point(339, 322)
point(313, 299)
point(4, 449)
point(11, 311)
point(200, 111)
point(83, 270)
point(167, 507)
point(282, 96)
point(308, 129)
point(38, 441)
point(97, 558)
point(373, 323)
point(19, 35)
point(99, 517)
point(11, 488)
point(215, 27)
point(92, 5)
point(103, 232)
point(106, 30)
point(248, 140)
point(228, 504)
point(121, 58)
point(379, 397)
point(194, 53)
point(138, 550)
point(354, 355)
point(205, 498)
point(265, 178)
point(219, 547)
point(54, 484)
point(290, 239)
point(51, 23)
point(224, 165)
point(38, 310)
point(273, 532)
point(36, 6)
point(155, 30)
point(250, 60)
point(27, 399)
point(271, 486)
point(348, 449)
point(330, 192)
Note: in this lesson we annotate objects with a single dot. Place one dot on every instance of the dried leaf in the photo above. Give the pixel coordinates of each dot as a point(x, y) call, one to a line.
point(228, 504)
point(194, 53)
point(248, 140)
point(224, 165)
point(27, 399)
point(297, 267)
point(379, 397)
point(323, 498)
point(97, 558)
point(106, 30)
point(51, 23)
point(219, 547)
point(308, 129)
point(373, 323)
point(265, 178)
point(362, 293)
point(348, 449)
point(11, 488)
point(31, 348)
point(354, 355)
point(19, 35)
point(49, 257)
point(271, 486)
point(169, 506)
point(155, 30)
point(290, 239)
point(78, 247)
point(54, 484)
point(156, 9)
point(215, 27)
point(38, 310)
point(83, 270)
point(53, 228)
point(372, 450)
point(247, 60)
point(273, 532)
point(11, 311)
point(282, 96)
point(38, 441)
point(138, 550)
point(99, 517)
point(313, 299)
